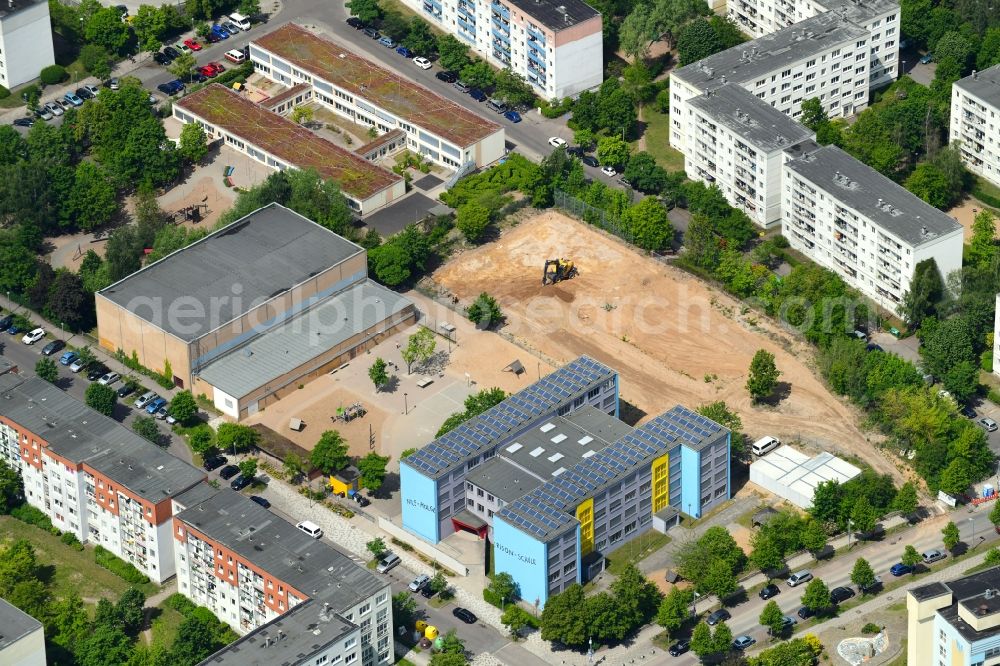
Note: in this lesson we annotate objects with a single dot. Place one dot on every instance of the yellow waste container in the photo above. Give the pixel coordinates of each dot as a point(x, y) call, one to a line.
point(431, 632)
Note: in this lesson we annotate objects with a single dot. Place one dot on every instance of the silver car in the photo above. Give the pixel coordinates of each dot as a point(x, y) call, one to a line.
point(54, 108)
point(987, 424)
point(143, 400)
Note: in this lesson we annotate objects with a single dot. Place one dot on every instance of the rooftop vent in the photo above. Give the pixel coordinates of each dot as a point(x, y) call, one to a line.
point(983, 609)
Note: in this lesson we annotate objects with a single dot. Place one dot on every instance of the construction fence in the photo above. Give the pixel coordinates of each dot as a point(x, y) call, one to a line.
point(591, 214)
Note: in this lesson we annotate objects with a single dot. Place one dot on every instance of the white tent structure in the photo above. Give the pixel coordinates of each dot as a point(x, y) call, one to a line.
point(793, 475)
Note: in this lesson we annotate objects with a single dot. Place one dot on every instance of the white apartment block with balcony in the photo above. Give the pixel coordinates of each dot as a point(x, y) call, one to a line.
point(880, 17)
point(861, 225)
point(25, 41)
point(261, 575)
point(92, 476)
point(820, 57)
point(738, 143)
point(556, 45)
point(975, 122)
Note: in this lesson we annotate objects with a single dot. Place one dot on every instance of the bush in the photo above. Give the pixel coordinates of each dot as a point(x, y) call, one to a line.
point(871, 628)
point(180, 603)
point(70, 539)
point(491, 597)
point(33, 516)
point(53, 74)
point(987, 199)
point(4, 93)
point(118, 567)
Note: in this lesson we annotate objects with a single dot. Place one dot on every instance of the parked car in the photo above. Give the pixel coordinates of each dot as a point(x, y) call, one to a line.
point(805, 612)
point(873, 588)
point(798, 578)
point(373, 33)
point(447, 77)
point(928, 58)
point(214, 462)
point(68, 357)
point(590, 161)
point(418, 583)
point(219, 31)
point(53, 347)
point(63, 104)
point(229, 471)
point(23, 122)
point(241, 482)
point(93, 90)
point(968, 412)
point(212, 38)
point(126, 389)
point(477, 95)
point(163, 415)
point(389, 560)
point(171, 52)
point(609, 171)
point(422, 62)
point(260, 500)
point(73, 99)
point(361, 500)
point(192, 44)
point(310, 528)
point(113, 83)
point(109, 378)
point(234, 55)
point(161, 59)
point(387, 42)
point(6, 322)
point(841, 594)
point(465, 615)
point(461, 86)
point(166, 89)
point(932, 556)
point(988, 424)
point(788, 621)
point(155, 405)
point(43, 113)
point(143, 400)
point(769, 591)
point(77, 365)
point(718, 616)
point(33, 336)
point(355, 22)
point(557, 142)
point(54, 108)
point(96, 370)
point(208, 70)
point(232, 28)
point(403, 51)
point(198, 77)
point(679, 648)
point(900, 569)
point(83, 93)
point(512, 116)
point(743, 642)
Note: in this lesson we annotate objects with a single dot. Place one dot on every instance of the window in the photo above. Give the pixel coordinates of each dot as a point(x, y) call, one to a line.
point(321, 660)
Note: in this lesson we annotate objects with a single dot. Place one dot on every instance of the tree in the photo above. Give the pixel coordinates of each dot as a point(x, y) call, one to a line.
point(564, 618)
point(95, 59)
point(451, 643)
point(767, 553)
point(813, 113)
point(992, 557)
point(701, 640)
point(377, 548)
point(183, 407)
point(378, 374)
point(983, 248)
point(645, 174)
point(92, 200)
point(772, 618)
point(648, 223)
point(46, 369)
point(817, 595)
point(472, 219)
point(719, 580)
point(419, 38)
point(453, 54)
point(613, 150)
point(101, 398)
point(104, 645)
point(477, 74)
point(503, 587)
point(905, 500)
point(372, 470)
point(52, 75)
point(484, 311)
point(763, 376)
point(197, 638)
point(193, 145)
point(106, 28)
point(722, 638)
point(697, 40)
point(69, 621)
point(366, 10)
point(813, 536)
point(911, 558)
point(248, 468)
point(862, 574)
point(293, 466)
point(404, 609)
point(950, 535)
point(145, 427)
point(721, 414)
point(930, 184)
point(515, 619)
point(419, 347)
point(131, 610)
point(11, 489)
point(863, 515)
point(69, 302)
point(302, 114)
point(956, 477)
point(675, 609)
point(249, 8)
point(148, 24)
point(202, 441)
point(330, 453)
point(236, 437)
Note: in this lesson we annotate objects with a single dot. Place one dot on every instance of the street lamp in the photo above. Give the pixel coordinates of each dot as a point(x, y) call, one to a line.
point(406, 406)
point(848, 534)
point(590, 650)
point(972, 521)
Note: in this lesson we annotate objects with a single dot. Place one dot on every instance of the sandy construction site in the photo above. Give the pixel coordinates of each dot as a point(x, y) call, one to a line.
point(672, 338)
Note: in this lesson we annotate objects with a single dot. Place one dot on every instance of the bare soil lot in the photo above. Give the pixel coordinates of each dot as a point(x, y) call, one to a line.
point(672, 338)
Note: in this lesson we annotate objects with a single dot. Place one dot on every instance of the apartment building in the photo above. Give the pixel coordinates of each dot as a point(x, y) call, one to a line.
point(880, 17)
point(975, 122)
point(955, 622)
point(22, 637)
point(295, 599)
point(738, 143)
point(861, 225)
point(25, 41)
point(556, 45)
point(366, 93)
point(823, 56)
point(92, 476)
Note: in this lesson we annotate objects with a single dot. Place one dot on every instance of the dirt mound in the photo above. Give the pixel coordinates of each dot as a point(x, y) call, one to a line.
point(672, 338)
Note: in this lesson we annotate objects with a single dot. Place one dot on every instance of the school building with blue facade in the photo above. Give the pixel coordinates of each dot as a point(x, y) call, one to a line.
point(556, 481)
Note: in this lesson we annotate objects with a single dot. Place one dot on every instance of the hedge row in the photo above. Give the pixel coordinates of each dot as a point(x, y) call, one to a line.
point(119, 567)
point(987, 199)
point(34, 516)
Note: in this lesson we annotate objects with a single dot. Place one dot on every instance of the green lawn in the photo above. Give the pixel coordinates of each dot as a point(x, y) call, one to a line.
point(71, 570)
point(165, 626)
point(658, 141)
point(407, 12)
point(635, 550)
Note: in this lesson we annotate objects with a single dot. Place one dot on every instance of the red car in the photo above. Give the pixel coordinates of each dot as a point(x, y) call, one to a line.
point(192, 44)
point(212, 69)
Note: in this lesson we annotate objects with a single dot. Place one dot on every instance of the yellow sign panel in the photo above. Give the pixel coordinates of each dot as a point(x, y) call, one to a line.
point(585, 514)
point(660, 470)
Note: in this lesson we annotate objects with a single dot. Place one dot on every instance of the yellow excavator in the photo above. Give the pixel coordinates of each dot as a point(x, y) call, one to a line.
point(557, 270)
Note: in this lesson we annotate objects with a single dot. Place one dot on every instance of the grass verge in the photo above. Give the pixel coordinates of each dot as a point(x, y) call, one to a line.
point(657, 135)
point(165, 625)
point(632, 552)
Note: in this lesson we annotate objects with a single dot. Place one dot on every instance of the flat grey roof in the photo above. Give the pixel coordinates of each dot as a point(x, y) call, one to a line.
point(78, 433)
point(887, 204)
point(547, 510)
point(311, 566)
point(984, 85)
point(860, 11)
point(499, 477)
point(499, 423)
point(751, 118)
point(322, 327)
point(15, 624)
point(751, 60)
point(968, 591)
point(231, 271)
point(195, 495)
point(556, 15)
point(10, 7)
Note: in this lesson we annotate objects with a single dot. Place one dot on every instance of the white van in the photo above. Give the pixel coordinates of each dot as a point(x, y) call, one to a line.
point(235, 55)
point(242, 22)
point(765, 445)
point(310, 528)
